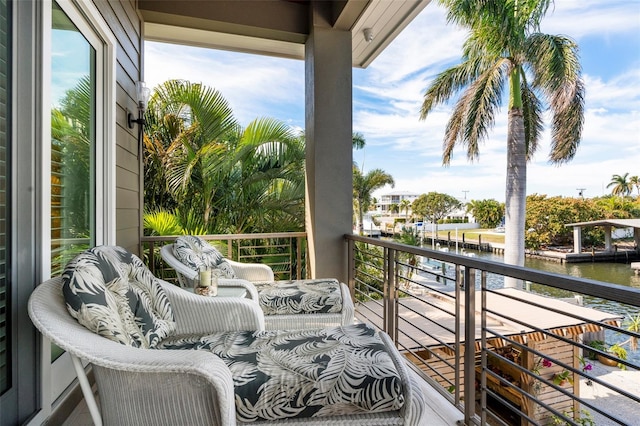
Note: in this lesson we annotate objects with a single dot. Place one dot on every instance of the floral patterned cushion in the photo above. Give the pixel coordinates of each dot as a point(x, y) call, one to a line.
point(305, 373)
point(300, 297)
point(112, 293)
point(196, 253)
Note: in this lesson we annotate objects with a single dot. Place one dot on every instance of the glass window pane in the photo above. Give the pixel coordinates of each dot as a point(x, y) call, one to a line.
point(73, 90)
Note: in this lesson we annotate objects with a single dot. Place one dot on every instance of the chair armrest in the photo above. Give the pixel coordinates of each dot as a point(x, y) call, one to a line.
point(252, 292)
point(252, 271)
point(202, 315)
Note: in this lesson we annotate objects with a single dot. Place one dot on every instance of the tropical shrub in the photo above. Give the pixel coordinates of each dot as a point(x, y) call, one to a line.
point(161, 222)
point(224, 178)
point(488, 213)
point(546, 218)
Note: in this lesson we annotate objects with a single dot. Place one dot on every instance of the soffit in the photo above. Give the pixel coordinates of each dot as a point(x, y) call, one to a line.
point(276, 27)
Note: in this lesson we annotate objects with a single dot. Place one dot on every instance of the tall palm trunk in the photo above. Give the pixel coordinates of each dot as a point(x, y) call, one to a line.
point(516, 193)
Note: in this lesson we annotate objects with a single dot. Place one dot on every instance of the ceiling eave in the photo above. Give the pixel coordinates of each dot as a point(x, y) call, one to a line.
point(275, 28)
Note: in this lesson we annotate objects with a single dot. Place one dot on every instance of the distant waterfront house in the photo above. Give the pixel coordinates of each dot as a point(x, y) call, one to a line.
point(395, 197)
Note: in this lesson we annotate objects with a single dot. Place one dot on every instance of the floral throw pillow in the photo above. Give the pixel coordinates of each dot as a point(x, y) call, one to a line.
point(196, 253)
point(112, 293)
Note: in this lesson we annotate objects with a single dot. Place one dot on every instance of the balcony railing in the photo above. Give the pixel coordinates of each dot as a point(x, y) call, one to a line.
point(530, 360)
point(285, 252)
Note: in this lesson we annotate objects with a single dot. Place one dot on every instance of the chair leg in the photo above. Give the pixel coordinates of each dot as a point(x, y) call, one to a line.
point(87, 391)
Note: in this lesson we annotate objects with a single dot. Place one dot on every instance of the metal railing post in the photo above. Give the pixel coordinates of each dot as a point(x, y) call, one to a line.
point(483, 347)
point(351, 268)
point(469, 344)
point(298, 258)
point(389, 302)
point(459, 284)
point(393, 281)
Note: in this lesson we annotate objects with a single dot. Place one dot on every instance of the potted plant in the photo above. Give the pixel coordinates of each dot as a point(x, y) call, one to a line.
point(595, 344)
point(616, 350)
point(632, 323)
point(619, 352)
point(563, 377)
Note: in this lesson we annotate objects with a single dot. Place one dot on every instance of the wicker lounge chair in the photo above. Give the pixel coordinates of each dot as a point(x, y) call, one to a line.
point(190, 364)
point(283, 302)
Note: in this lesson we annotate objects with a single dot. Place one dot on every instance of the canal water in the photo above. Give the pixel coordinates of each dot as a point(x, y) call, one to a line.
point(616, 273)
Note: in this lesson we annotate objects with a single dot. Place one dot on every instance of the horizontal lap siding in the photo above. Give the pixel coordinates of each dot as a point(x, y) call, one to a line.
point(126, 25)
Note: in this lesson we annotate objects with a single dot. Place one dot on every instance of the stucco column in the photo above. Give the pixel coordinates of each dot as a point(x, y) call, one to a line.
point(328, 110)
point(577, 239)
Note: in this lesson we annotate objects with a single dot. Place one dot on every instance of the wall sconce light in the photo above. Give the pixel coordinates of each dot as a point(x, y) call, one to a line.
point(368, 34)
point(142, 96)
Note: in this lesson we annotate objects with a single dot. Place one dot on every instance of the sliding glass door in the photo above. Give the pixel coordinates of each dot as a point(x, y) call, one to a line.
point(72, 153)
point(57, 178)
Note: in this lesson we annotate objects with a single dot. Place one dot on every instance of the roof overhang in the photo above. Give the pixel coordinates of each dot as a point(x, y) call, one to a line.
point(276, 27)
point(617, 223)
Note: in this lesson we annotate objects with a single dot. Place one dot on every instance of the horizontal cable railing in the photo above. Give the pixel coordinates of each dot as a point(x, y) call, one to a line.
point(532, 359)
point(284, 252)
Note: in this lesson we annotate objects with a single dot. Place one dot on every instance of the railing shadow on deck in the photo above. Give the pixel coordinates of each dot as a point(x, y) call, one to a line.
point(531, 360)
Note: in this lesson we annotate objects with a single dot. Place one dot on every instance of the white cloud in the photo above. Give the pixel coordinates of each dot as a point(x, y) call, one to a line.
point(426, 44)
point(583, 18)
point(253, 85)
point(622, 92)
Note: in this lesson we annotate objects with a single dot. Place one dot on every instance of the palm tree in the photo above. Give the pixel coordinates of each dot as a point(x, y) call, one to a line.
point(222, 177)
point(267, 179)
point(202, 122)
point(363, 187)
point(405, 205)
point(621, 185)
point(505, 50)
point(357, 140)
point(635, 181)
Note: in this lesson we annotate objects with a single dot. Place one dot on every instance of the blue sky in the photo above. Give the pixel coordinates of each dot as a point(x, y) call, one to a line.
point(388, 94)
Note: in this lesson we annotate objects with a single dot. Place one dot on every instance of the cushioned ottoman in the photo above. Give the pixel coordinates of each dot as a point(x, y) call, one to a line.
point(306, 373)
point(318, 296)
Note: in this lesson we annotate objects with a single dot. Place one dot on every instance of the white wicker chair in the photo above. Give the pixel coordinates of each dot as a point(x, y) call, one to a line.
point(249, 273)
point(170, 387)
point(195, 387)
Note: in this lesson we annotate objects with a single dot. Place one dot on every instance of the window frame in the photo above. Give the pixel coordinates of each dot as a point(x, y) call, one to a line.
point(56, 377)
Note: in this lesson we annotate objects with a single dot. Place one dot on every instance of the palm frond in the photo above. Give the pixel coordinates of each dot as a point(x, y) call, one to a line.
point(447, 84)
point(556, 67)
point(532, 115)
